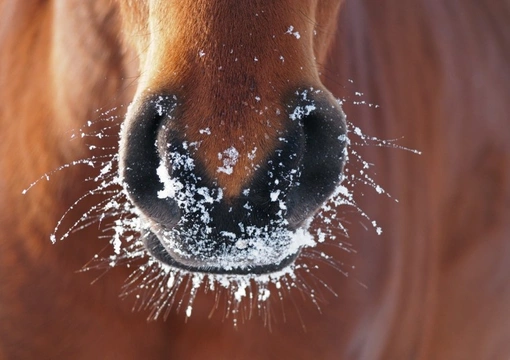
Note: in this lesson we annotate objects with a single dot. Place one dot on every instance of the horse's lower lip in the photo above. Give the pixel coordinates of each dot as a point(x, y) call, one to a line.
point(158, 251)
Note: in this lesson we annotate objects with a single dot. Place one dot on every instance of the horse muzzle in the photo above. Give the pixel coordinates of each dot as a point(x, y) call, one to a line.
point(193, 221)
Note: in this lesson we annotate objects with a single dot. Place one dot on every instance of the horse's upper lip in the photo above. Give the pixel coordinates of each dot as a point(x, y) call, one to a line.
point(158, 250)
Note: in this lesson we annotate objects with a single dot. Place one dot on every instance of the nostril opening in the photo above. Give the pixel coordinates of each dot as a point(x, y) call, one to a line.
point(322, 122)
point(140, 159)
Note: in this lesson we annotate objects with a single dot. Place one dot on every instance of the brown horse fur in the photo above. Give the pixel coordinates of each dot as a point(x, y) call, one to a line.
point(226, 79)
point(437, 279)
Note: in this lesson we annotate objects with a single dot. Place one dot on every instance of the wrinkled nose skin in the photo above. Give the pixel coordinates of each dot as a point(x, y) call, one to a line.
point(191, 224)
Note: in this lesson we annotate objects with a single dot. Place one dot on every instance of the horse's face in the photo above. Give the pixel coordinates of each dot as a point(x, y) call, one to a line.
point(232, 143)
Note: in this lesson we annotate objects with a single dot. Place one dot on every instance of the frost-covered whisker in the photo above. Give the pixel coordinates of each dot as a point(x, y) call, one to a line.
point(93, 162)
point(374, 141)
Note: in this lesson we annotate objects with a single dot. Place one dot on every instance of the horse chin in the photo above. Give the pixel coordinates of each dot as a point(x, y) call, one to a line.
point(258, 256)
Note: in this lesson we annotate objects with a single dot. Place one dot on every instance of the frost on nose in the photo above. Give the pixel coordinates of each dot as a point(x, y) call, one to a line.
point(258, 228)
point(240, 234)
point(222, 198)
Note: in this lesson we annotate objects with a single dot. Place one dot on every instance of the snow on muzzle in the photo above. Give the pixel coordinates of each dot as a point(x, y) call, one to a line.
point(190, 224)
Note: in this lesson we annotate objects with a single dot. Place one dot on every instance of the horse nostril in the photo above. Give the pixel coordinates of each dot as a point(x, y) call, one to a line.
point(322, 123)
point(140, 160)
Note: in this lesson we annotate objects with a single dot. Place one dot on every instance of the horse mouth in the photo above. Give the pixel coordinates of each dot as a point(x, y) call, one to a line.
point(245, 257)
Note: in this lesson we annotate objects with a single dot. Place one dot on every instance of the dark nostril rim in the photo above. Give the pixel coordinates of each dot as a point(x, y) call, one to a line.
point(140, 159)
point(323, 124)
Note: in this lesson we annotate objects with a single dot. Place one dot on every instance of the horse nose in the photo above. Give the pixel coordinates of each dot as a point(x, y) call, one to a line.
point(194, 220)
